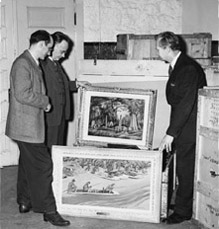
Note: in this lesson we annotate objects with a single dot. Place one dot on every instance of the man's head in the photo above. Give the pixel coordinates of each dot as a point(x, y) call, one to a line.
point(61, 46)
point(168, 45)
point(41, 43)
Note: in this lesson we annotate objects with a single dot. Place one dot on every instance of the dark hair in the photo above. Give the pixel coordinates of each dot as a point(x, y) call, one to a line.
point(168, 39)
point(58, 37)
point(40, 35)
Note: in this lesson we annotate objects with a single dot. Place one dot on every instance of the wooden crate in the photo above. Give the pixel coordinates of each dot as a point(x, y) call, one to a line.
point(198, 45)
point(212, 75)
point(137, 47)
point(206, 191)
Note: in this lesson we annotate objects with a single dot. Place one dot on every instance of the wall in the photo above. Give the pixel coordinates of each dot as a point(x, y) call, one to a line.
point(104, 19)
point(201, 16)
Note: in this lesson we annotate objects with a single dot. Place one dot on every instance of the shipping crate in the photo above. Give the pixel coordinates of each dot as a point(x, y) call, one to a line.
point(212, 76)
point(206, 191)
point(138, 47)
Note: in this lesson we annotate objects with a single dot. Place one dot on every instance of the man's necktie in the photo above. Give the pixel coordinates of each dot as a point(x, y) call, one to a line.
point(170, 70)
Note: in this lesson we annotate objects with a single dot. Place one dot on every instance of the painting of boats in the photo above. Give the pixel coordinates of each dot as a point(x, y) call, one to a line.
point(128, 182)
point(111, 183)
point(93, 192)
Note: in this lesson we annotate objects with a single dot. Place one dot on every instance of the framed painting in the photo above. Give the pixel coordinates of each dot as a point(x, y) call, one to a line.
point(108, 183)
point(116, 116)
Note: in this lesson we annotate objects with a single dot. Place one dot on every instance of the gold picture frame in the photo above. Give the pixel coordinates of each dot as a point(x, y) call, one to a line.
point(109, 115)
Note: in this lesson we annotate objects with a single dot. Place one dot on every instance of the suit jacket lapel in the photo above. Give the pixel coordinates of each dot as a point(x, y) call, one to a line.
point(36, 68)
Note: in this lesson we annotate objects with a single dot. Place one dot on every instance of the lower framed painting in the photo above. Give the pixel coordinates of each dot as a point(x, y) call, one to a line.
point(108, 183)
point(116, 116)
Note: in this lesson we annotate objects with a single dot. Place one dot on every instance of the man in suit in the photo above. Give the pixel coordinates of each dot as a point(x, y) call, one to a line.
point(185, 79)
point(58, 88)
point(25, 125)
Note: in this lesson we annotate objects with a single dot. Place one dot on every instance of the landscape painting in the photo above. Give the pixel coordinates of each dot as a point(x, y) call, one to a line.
point(124, 116)
point(108, 183)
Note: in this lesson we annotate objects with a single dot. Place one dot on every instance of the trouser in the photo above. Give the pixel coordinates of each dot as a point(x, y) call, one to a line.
point(185, 163)
point(56, 135)
point(34, 182)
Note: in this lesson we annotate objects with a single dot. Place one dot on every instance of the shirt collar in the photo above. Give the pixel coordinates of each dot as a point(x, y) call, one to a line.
point(173, 62)
point(50, 58)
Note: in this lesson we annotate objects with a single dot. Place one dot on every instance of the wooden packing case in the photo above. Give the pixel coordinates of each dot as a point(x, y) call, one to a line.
point(206, 191)
point(137, 47)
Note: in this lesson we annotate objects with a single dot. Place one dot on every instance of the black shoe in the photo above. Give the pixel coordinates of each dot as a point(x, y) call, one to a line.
point(24, 208)
point(55, 219)
point(176, 218)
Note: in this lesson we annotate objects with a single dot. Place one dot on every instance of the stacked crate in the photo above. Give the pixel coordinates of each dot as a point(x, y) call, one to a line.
point(138, 47)
point(206, 191)
point(212, 75)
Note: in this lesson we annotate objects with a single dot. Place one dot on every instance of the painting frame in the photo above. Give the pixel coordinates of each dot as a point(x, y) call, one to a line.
point(109, 115)
point(144, 206)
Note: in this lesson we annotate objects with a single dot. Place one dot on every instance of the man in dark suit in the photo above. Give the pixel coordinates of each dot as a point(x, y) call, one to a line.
point(26, 126)
point(58, 88)
point(185, 79)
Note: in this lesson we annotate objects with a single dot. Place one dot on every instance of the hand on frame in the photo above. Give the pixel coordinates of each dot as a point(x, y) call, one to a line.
point(82, 84)
point(48, 108)
point(166, 143)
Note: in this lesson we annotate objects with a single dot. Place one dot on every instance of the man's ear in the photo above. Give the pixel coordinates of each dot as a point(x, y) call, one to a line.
point(41, 43)
point(168, 49)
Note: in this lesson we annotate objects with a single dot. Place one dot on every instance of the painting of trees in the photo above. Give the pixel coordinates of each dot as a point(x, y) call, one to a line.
point(116, 117)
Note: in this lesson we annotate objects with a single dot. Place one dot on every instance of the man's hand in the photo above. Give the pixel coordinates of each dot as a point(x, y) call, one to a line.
point(82, 84)
point(48, 108)
point(166, 143)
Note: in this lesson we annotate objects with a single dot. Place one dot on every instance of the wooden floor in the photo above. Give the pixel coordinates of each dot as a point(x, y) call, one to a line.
point(10, 218)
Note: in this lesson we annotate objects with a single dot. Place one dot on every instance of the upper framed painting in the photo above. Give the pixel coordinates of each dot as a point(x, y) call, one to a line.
point(116, 116)
point(107, 183)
